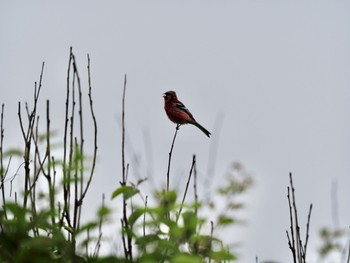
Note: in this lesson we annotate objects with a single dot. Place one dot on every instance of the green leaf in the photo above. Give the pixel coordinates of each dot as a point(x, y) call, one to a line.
point(225, 220)
point(69, 229)
point(135, 215)
point(233, 205)
point(147, 239)
point(222, 255)
point(13, 152)
point(17, 211)
point(87, 226)
point(186, 258)
point(126, 190)
point(103, 211)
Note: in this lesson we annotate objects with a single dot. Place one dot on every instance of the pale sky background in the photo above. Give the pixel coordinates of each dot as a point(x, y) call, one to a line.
point(278, 71)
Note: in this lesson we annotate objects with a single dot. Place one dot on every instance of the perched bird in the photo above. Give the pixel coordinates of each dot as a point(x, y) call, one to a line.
point(178, 113)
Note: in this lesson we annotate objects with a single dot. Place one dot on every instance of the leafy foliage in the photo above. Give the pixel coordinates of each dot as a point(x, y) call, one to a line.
point(43, 224)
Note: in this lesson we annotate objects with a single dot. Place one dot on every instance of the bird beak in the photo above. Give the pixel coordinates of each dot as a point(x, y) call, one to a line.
point(164, 95)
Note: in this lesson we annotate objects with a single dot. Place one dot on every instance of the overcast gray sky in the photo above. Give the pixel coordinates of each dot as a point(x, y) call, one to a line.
point(277, 71)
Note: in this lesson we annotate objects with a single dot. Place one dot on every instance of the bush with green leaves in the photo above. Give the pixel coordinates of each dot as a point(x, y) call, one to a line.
point(43, 222)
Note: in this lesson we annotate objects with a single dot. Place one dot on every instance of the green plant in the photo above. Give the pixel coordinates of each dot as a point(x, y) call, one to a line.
point(43, 222)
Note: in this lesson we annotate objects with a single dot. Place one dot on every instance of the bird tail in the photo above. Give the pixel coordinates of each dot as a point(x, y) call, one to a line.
point(204, 130)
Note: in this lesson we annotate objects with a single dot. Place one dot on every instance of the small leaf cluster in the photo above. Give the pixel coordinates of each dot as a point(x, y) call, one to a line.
point(162, 234)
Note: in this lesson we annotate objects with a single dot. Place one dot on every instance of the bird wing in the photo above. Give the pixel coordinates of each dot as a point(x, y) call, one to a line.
point(182, 107)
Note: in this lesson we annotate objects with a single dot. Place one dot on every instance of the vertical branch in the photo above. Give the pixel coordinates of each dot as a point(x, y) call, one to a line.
point(80, 150)
point(51, 184)
point(211, 235)
point(95, 134)
point(66, 172)
point(26, 161)
point(297, 227)
point(144, 218)
point(54, 173)
point(2, 170)
point(98, 243)
point(195, 188)
point(123, 239)
point(123, 182)
point(291, 242)
point(169, 161)
point(125, 223)
point(307, 233)
point(123, 132)
point(296, 245)
point(76, 184)
point(70, 156)
point(36, 172)
point(186, 189)
point(20, 120)
point(27, 136)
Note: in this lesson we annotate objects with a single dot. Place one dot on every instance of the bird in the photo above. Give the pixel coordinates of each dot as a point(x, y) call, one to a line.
point(178, 113)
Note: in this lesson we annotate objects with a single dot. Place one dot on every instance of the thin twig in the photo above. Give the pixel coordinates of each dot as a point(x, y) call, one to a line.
point(76, 184)
point(170, 153)
point(296, 245)
point(291, 242)
point(69, 147)
point(144, 218)
point(307, 232)
point(98, 243)
point(66, 185)
point(123, 239)
point(186, 189)
point(13, 178)
point(32, 192)
point(72, 167)
point(80, 173)
point(95, 134)
point(48, 154)
point(125, 223)
point(297, 227)
point(211, 235)
point(2, 172)
point(20, 120)
point(37, 159)
point(28, 135)
point(123, 131)
point(195, 189)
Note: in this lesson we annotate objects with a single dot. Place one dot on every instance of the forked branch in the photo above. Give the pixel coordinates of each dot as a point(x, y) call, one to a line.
point(294, 238)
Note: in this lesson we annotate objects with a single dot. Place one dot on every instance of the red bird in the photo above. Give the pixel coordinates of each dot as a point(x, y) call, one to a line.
point(178, 113)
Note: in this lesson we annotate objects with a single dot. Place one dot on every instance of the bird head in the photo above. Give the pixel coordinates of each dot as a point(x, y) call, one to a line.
point(169, 95)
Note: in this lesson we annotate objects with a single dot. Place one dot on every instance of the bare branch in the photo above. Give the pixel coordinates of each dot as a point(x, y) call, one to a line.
point(307, 232)
point(123, 132)
point(169, 161)
point(95, 134)
point(296, 245)
point(186, 189)
point(291, 242)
